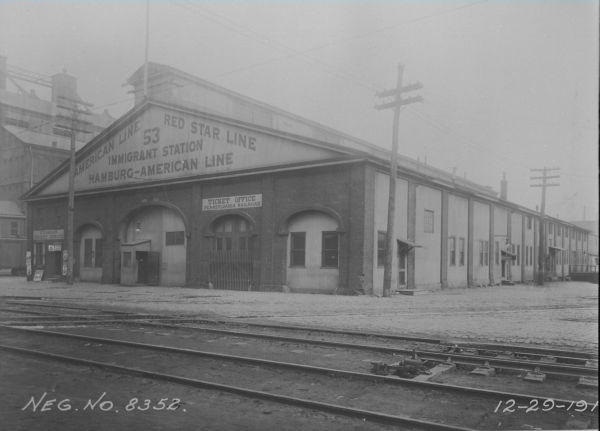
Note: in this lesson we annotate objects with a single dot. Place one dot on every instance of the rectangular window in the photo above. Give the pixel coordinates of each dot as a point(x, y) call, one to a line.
point(513, 250)
point(329, 250)
point(297, 248)
point(428, 218)
point(98, 253)
point(480, 253)
point(528, 222)
point(530, 255)
point(127, 259)
point(486, 253)
point(87, 252)
point(518, 254)
point(497, 253)
point(174, 238)
point(452, 250)
point(381, 248)
point(550, 228)
point(461, 251)
point(14, 228)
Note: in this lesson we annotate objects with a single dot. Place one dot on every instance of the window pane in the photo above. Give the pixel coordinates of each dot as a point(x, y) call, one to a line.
point(98, 253)
point(297, 248)
point(428, 218)
point(174, 238)
point(329, 252)
point(381, 248)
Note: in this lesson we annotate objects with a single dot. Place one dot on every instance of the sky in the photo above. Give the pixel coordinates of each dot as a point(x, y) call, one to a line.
point(507, 85)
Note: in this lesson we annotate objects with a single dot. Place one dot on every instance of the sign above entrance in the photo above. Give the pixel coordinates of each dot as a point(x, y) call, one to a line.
point(232, 202)
point(48, 234)
point(163, 144)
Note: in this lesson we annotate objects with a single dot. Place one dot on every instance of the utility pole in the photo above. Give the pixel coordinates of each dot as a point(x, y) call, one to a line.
point(396, 103)
point(74, 106)
point(547, 174)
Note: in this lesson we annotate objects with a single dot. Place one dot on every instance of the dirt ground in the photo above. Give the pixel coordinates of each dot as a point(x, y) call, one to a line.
point(560, 314)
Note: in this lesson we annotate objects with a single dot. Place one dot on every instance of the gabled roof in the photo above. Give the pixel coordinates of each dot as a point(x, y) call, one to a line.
point(161, 74)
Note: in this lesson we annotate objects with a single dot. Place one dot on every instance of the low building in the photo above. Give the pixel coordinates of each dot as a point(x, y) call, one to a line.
point(12, 237)
point(201, 186)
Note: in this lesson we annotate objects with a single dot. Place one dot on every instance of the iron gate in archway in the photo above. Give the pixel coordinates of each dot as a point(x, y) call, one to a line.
point(231, 260)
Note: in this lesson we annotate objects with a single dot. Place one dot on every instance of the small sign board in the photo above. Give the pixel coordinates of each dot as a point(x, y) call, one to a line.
point(54, 247)
point(38, 275)
point(232, 202)
point(48, 234)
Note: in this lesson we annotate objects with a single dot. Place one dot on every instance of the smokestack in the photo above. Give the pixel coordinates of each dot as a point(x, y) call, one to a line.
point(65, 86)
point(503, 187)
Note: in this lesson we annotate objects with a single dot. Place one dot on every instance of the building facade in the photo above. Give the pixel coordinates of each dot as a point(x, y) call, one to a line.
point(32, 141)
point(200, 186)
point(13, 238)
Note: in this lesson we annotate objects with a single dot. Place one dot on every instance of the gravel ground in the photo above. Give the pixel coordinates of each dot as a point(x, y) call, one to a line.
point(561, 314)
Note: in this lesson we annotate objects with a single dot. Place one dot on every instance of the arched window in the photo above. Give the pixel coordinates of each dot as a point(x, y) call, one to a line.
point(232, 233)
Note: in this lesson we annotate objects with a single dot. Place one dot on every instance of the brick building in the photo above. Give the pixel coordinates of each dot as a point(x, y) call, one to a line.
point(198, 185)
point(31, 142)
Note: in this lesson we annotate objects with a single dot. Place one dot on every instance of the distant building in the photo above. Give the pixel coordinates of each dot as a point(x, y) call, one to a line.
point(592, 252)
point(32, 143)
point(198, 185)
point(12, 236)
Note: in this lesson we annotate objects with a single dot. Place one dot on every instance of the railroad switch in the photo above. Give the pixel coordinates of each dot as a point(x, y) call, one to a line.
point(406, 367)
point(588, 382)
point(535, 376)
point(505, 355)
point(469, 351)
point(380, 368)
point(484, 370)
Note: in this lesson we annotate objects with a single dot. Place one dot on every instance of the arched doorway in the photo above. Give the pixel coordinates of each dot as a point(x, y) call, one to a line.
point(313, 252)
point(153, 247)
point(232, 253)
point(90, 253)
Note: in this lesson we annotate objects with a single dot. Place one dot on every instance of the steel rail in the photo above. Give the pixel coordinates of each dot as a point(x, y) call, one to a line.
point(19, 311)
point(282, 399)
point(552, 370)
point(68, 307)
point(298, 367)
point(566, 354)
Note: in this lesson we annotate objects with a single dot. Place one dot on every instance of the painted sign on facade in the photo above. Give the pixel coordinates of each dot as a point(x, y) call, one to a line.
point(232, 202)
point(165, 144)
point(48, 234)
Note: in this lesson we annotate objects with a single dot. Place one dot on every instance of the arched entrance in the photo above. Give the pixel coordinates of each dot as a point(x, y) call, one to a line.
point(153, 247)
point(90, 253)
point(232, 252)
point(313, 252)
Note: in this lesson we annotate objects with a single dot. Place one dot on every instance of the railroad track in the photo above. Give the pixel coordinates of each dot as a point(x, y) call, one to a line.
point(376, 398)
point(559, 354)
point(565, 367)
